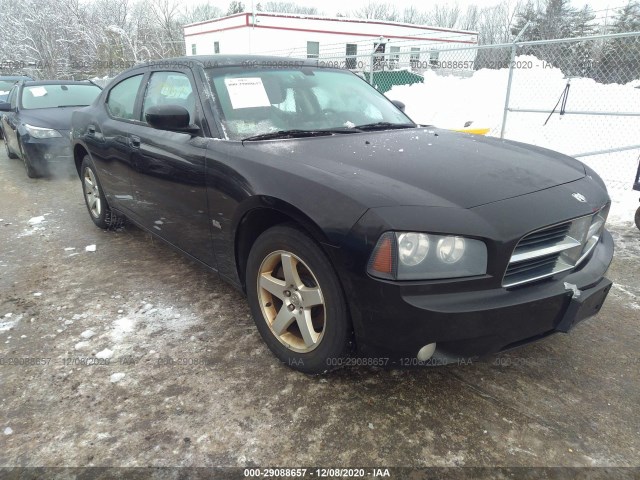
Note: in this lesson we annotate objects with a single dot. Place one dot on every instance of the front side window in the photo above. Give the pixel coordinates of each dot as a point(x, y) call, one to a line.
point(55, 96)
point(193, 49)
point(313, 49)
point(216, 47)
point(257, 101)
point(6, 86)
point(169, 88)
point(122, 98)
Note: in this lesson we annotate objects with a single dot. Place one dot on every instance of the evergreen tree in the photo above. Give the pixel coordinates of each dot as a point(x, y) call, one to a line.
point(557, 20)
point(620, 58)
point(529, 14)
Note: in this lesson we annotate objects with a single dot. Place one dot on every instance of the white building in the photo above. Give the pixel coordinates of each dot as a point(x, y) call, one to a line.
point(348, 40)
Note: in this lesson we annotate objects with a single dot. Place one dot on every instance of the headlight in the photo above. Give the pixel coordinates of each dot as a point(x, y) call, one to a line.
point(39, 132)
point(421, 256)
point(412, 248)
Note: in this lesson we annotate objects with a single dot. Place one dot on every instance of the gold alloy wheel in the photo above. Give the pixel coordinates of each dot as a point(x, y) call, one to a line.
point(291, 301)
point(92, 193)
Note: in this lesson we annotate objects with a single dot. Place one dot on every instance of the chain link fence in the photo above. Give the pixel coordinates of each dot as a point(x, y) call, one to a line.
point(580, 96)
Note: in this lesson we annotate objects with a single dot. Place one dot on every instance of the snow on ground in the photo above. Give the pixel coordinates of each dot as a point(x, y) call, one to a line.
point(449, 102)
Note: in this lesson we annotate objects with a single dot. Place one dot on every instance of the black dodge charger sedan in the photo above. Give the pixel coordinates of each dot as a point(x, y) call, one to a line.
point(357, 235)
point(37, 120)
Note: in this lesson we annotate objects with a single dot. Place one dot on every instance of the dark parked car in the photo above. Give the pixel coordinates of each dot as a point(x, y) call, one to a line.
point(348, 226)
point(6, 84)
point(37, 121)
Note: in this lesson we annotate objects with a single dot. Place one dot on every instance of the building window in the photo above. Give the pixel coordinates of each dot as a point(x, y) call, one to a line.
point(352, 51)
point(434, 55)
point(216, 47)
point(193, 49)
point(394, 58)
point(313, 49)
point(414, 58)
point(378, 60)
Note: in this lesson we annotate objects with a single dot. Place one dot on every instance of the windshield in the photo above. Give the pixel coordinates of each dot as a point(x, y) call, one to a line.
point(6, 86)
point(259, 101)
point(52, 96)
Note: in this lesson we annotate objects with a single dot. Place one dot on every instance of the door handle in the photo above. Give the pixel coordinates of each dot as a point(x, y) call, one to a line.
point(135, 141)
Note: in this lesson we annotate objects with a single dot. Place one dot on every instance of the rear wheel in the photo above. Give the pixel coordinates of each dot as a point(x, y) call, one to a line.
point(297, 301)
point(638, 218)
point(95, 200)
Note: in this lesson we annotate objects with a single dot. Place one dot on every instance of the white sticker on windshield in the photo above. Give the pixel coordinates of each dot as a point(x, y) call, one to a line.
point(38, 91)
point(247, 92)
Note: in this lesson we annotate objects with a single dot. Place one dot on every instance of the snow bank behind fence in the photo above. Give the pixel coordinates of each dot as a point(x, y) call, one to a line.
point(450, 102)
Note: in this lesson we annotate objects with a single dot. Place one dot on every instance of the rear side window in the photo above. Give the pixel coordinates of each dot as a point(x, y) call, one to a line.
point(169, 88)
point(122, 98)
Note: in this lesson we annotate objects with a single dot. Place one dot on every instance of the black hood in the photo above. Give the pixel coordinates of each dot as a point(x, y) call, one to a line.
point(56, 118)
point(428, 166)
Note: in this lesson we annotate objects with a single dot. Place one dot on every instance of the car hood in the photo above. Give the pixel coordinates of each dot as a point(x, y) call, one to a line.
point(428, 166)
point(57, 118)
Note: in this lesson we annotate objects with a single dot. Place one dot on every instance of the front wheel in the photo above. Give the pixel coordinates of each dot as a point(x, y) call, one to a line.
point(10, 154)
point(95, 200)
point(297, 301)
point(28, 166)
point(638, 218)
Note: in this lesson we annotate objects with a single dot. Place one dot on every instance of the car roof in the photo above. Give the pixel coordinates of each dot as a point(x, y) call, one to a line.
point(232, 60)
point(35, 83)
point(15, 78)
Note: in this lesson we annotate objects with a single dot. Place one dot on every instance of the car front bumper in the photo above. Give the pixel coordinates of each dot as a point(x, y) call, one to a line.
point(46, 151)
point(396, 322)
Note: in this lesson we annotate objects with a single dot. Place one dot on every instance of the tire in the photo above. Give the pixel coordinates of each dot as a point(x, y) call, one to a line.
point(638, 218)
point(28, 166)
point(95, 200)
point(10, 154)
point(290, 284)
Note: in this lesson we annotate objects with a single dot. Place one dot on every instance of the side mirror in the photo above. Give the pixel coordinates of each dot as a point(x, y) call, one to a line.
point(5, 107)
point(399, 104)
point(174, 118)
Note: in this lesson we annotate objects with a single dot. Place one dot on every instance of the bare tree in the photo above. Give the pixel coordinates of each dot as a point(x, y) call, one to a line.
point(471, 18)
point(378, 11)
point(445, 16)
point(289, 7)
point(200, 13)
point(414, 15)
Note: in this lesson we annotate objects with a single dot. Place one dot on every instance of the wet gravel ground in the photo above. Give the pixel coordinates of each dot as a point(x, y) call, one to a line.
point(184, 379)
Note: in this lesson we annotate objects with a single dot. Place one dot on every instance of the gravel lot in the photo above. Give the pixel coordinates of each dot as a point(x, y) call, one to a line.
point(190, 383)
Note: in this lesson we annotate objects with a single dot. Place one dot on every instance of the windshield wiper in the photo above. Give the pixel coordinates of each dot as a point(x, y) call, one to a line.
point(384, 126)
point(65, 106)
point(299, 133)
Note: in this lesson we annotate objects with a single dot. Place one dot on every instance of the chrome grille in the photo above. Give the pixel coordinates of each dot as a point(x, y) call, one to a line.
point(554, 249)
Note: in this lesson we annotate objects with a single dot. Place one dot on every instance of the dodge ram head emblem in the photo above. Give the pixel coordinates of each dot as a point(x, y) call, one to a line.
point(579, 197)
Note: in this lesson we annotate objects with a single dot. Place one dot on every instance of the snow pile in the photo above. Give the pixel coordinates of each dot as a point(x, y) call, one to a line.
point(449, 102)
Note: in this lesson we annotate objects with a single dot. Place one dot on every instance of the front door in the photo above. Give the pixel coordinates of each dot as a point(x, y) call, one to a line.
point(168, 170)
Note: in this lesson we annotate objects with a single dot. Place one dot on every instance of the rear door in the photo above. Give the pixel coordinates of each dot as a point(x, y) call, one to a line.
point(169, 168)
point(109, 140)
